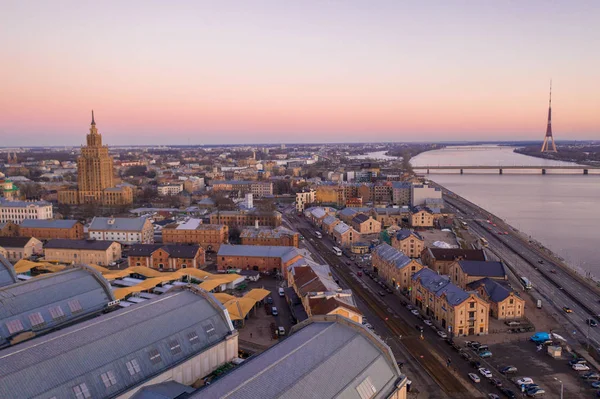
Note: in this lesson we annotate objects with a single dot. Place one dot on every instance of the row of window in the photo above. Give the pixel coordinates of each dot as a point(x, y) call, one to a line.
point(37, 320)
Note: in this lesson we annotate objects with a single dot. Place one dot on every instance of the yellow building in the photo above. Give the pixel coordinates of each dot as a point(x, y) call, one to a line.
point(95, 181)
point(394, 266)
point(459, 312)
point(421, 217)
point(96, 252)
point(464, 272)
point(409, 242)
point(505, 304)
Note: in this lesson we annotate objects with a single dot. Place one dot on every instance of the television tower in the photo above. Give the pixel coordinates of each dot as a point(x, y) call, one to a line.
point(548, 145)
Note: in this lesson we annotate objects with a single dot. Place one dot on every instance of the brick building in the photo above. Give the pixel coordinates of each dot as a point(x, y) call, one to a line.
point(49, 229)
point(166, 257)
point(409, 242)
point(124, 230)
point(505, 304)
point(246, 218)
point(440, 259)
point(394, 266)
point(279, 236)
point(97, 252)
point(365, 224)
point(464, 272)
point(208, 236)
point(266, 259)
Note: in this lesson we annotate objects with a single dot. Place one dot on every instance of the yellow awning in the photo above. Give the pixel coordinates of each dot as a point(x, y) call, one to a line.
point(223, 297)
point(240, 306)
point(24, 265)
point(210, 285)
point(258, 294)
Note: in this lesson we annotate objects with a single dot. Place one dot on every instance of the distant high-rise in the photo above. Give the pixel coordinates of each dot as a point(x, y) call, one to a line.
point(95, 176)
point(548, 145)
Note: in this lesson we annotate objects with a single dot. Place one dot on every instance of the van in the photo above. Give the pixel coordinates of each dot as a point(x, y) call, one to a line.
point(281, 292)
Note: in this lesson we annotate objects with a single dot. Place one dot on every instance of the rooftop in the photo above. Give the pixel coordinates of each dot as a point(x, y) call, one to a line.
point(258, 251)
point(482, 268)
point(451, 254)
point(404, 234)
point(22, 204)
point(91, 245)
point(360, 218)
point(324, 357)
point(189, 318)
point(117, 224)
point(48, 224)
point(184, 251)
point(441, 285)
point(14, 242)
point(392, 255)
point(266, 232)
point(495, 291)
point(7, 272)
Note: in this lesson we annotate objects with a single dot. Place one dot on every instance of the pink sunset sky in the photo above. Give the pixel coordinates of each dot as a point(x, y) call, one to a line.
point(199, 72)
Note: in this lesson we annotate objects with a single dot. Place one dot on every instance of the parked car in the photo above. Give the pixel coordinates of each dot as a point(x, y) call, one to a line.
point(442, 334)
point(473, 344)
point(281, 330)
point(485, 354)
point(576, 361)
point(474, 377)
point(428, 322)
point(269, 300)
point(508, 370)
point(415, 312)
point(535, 392)
point(274, 311)
point(508, 393)
point(475, 364)
point(465, 355)
point(591, 376)
point(580, 367)
point(524, 381)
point(596, 384)
point(592, 323)
point(369, 326)
point(485, 372)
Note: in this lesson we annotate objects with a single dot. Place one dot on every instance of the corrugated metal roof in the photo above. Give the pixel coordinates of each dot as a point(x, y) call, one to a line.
point(22, 204)
point(482, 268)
point(392, 255)
point(341, 228)
point(48, 224)
point(117, 224)
point(440, 285)
point(322, 360)
point(93, 245)
point(50, 366)
point(78, 292)
point(7, 272)
point(14, 242)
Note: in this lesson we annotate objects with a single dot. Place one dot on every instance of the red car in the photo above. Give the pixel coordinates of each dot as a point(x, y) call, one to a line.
point(359, 274)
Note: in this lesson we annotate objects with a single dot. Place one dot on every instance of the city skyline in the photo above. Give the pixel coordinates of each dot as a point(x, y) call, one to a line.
point(298, 73)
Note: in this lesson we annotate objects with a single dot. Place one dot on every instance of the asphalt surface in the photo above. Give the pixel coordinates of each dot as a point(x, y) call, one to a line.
point(551, 283)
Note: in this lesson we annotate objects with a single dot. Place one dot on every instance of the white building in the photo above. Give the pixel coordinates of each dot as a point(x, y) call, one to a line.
point(127, 231)
point(422, 192)
point(170, 189)
point(303, 198)
point(17, 211)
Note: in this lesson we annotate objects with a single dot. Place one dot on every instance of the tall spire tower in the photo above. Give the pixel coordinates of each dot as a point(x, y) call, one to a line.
point(549, 145)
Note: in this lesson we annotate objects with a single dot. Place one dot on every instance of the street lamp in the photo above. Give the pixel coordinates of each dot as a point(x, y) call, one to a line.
point(561, 387)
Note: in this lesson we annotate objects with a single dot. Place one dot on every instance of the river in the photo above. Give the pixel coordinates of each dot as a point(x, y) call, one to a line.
point(559, 211)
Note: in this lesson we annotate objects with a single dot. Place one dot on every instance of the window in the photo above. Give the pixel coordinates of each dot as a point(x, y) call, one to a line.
point(155, 357)
point(481, 329)
point(14, 326)
point(175, 347)
point(36, 319)
point(210, 329)
point(108, 378)
point(81, 391)
point(193, 337)
point(133, 367)
point(366, 389)
point(511, 301)
point(75, 306)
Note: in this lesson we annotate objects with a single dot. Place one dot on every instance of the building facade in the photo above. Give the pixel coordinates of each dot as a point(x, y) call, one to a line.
point(127, 231)
point(95, 179)
point(96, 252)
point(50, 229)
point(166, 257)
point(170, 189)
point(345, 235)
point(394, 266)
point(305, 197)
point(18, 248)
point(17, 211)
point(365, 224)
point(440, 259)
point(409, 242)
point(266, 259)
point(459, 312)
point(208, 236)
point(421, 217)
point(279, 236)
point(505, 304)
point(421, 193)
point(246, 218)
point(464, 272)
point(256, 188)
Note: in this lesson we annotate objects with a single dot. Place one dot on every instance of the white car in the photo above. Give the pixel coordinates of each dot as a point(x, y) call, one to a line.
point(524, 381)
point(281, 330)
point(415, 312)
point(442, 334)
point(474, 377)
point(580, 367)
point(369, 326)
point(485, 372)
point(428, 322)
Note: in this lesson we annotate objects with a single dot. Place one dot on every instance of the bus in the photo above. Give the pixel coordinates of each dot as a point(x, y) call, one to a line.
point(318, 234)
point(337, 251)
point(526, 283)
point(484, 242)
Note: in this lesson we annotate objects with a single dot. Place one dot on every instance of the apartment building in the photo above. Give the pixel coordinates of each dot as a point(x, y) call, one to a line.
point(461, 313)
point(170, 189)
point(18, 248)
point(394, 266)
point(49, 229)
point(464, 272)
point(420, 193)
point(17, 211)
point(96, 252)
point(421, 217)
point(365, 224)
point(192, 231)
point(170, 257)
point(278, 236)
point(305, 197)
point(127, 231)
point(409, 242)
point(401, 193)
point(256, 188)
point(246, 218)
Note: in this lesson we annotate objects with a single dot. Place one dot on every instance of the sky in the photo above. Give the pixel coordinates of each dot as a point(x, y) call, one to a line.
point(207, 72)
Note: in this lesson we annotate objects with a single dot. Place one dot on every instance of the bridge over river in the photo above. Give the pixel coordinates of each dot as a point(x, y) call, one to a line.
point(513, 169)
